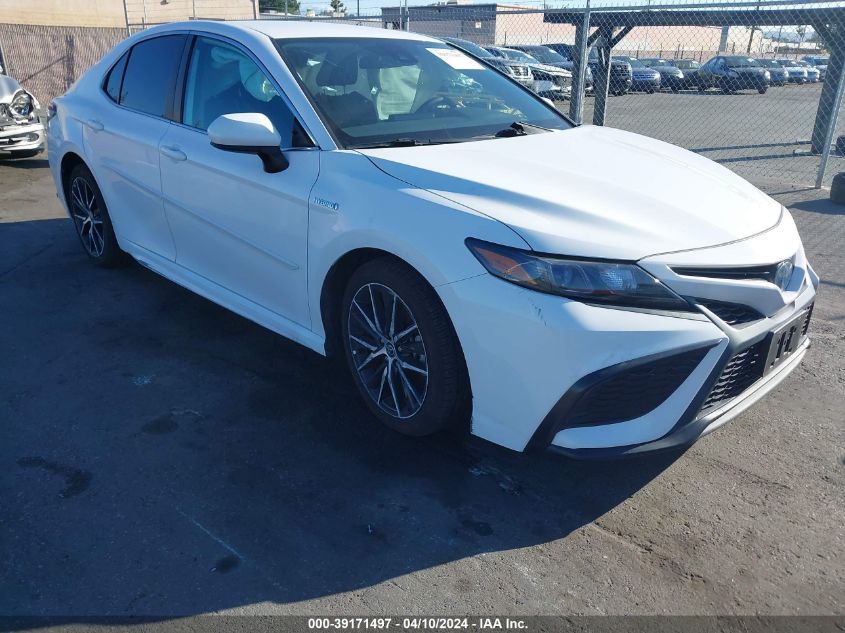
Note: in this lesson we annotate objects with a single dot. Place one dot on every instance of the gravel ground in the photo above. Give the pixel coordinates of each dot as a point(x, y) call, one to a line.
point(162, 456)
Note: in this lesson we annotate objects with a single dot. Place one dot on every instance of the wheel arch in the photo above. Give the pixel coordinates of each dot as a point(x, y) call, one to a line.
point(334, 284)
point(70, 160)
point(331, 300)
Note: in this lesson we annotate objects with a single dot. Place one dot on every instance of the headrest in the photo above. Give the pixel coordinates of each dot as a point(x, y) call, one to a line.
point(338, 72)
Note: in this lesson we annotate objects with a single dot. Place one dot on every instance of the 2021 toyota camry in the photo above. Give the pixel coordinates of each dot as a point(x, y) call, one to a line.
point(474, 255)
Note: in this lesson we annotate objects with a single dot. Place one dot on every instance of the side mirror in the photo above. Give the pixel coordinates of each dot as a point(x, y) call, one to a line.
point(249, 133)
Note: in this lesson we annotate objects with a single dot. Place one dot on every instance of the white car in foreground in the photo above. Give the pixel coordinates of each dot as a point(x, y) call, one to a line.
point(472, 253)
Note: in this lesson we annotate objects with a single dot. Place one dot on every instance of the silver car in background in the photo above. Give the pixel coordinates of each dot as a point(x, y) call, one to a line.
point(515, 70)
point(551, 82)
point(21, 131)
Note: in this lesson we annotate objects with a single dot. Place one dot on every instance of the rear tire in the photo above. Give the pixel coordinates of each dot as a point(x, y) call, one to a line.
point(402, 350)
point(91, 219)
point(762, 89)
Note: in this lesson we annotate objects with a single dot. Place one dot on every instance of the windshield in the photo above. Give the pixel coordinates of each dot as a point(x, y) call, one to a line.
point(517, 56)
point(380, 91)
point(686, 64)
point(546, 55)
point(635, 63)
point(768, 63)
point(741, 62)
point(469, 47)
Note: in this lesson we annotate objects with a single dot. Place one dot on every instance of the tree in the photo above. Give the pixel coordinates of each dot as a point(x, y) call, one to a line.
point(802, 31)
point(292, 6)
point(337, 6)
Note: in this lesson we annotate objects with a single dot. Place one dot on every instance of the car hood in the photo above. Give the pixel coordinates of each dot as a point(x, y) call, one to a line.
point(590, 191)
point(552, 70)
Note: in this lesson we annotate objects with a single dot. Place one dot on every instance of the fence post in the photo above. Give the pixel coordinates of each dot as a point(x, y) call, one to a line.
point(126, 17)
point(579, 74)
point(832, 87)
point(601, 78)
point(831, 125)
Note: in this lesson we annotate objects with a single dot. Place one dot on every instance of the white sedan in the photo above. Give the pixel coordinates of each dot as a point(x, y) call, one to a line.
point(476, 257)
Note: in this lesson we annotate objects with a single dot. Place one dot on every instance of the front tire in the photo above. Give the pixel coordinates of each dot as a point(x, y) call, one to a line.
point(402, 351)
point(91, 219)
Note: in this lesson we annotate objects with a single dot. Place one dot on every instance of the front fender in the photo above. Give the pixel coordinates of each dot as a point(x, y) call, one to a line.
point(359, 206)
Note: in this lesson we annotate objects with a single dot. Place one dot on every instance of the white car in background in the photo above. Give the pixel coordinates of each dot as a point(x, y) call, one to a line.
point(21, 133)
point(471, 253)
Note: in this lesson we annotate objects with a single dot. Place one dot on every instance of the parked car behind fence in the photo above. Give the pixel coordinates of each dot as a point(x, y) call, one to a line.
point(731, 73)
point(515, 70)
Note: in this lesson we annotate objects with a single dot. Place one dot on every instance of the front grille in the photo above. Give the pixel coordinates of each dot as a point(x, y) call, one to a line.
point(731, 313)
point(767, 272)
point(630, 393)
point(742, 370)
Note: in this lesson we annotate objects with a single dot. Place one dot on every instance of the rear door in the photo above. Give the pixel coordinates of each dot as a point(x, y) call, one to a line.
point(122, 141)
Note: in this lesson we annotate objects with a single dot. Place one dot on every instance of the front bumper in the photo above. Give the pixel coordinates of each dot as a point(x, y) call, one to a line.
point(21, 138)
point(531, 357)
point(645, 83)
point(696, 420)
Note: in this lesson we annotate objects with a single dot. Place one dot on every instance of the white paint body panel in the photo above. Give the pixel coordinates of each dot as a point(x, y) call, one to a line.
point(262, 244)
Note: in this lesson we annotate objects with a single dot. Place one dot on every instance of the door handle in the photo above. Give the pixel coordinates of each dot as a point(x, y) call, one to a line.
point(173, 153)
point(95, 125)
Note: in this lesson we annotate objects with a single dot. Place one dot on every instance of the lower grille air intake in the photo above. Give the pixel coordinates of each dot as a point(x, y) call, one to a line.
point(631, 393)
point(742, 370)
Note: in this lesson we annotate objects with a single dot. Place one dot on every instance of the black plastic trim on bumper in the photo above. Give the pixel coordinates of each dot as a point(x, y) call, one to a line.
point(692, 423)
point(556, 419)
point(683, 436)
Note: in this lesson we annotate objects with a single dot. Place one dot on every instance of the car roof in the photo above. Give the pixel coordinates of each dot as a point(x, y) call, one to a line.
point(292, 29)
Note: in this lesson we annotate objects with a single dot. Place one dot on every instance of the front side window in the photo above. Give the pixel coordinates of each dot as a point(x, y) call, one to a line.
point(150, 77)
point(370, 91)
point(222, 79)
point(546, 55)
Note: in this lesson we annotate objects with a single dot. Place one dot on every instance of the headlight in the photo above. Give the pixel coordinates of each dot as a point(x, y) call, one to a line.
point(22, 105)
point(604, 282)
point(767, 74)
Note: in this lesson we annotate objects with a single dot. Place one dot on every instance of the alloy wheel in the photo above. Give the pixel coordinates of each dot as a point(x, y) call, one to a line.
point(388, 352)
point(87, 216)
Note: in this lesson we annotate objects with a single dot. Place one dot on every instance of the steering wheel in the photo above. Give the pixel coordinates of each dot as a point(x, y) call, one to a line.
point(441, 105)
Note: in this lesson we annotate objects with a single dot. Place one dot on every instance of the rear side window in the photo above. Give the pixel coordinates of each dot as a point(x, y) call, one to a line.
point(115, 78)
point(150, 77)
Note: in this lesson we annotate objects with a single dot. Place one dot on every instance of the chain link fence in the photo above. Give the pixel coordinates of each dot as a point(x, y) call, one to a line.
point(743, 83)
point(755, 86)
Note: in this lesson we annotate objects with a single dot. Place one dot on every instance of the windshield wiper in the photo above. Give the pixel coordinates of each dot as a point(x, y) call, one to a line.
point(396, 142)
point(517, 128)
point(406, 142)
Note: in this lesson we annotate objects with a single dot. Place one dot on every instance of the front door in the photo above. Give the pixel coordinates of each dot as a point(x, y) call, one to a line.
point(233, 223)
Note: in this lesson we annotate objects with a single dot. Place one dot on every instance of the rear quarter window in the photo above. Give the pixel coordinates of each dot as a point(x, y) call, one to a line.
point(115, 78)
point(149, 81)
